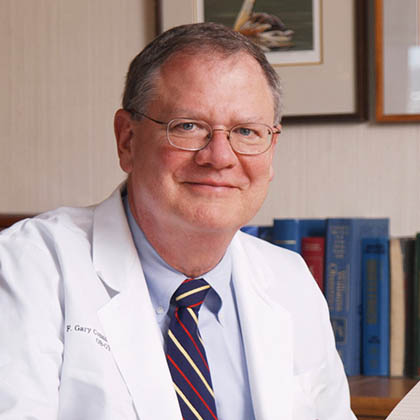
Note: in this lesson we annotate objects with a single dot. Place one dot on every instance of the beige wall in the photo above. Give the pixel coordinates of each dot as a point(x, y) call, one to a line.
point(63, 66)
point(348, 170)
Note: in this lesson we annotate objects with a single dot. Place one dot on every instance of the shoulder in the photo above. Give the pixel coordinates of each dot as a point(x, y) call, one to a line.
point(50, 228)
point(282, 274)
point(56, 238)
point(277, 259)
point(37, 246)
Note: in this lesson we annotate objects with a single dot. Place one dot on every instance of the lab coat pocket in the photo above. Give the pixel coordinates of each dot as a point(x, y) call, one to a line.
point(90, 378)
point(90, 394)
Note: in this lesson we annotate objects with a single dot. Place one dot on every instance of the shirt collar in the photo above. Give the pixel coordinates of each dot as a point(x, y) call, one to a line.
point(162, 279)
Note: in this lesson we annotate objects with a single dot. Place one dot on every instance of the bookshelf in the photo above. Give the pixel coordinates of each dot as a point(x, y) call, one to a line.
point(373, 397)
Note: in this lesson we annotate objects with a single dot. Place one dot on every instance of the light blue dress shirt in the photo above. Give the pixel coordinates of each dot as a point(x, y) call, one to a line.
point(218, 323)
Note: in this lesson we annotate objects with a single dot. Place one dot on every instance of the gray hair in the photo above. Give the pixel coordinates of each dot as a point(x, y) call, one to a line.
point(190, 39)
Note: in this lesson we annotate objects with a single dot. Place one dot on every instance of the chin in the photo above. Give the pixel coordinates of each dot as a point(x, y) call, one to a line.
point(216, 220)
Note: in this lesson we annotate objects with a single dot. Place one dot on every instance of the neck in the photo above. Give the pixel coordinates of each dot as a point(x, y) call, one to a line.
point(191, 252)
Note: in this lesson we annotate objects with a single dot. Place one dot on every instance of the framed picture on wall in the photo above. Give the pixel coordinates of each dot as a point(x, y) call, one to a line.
point(271, 27)
point(397, 60)
point(318, 47)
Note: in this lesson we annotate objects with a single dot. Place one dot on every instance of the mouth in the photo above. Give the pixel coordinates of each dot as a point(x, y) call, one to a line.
point(210, 186)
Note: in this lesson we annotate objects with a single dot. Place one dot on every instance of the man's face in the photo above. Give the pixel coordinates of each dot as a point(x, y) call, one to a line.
point(213, 189)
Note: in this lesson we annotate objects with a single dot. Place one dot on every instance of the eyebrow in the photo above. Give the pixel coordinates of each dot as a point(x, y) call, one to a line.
point(187, 113)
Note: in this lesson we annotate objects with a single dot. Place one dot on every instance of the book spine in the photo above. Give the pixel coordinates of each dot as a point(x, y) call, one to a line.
point(416, 308)
point(401, 256)
point(337, 290)
point(343, 284)
point(397, 309)
point(313, 252)
point(286, 234)
point(375, 286)
point(408, 253)
point(250, 230)
point(265, 232)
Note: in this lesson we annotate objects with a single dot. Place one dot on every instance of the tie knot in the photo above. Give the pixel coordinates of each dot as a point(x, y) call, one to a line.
point(191, 293)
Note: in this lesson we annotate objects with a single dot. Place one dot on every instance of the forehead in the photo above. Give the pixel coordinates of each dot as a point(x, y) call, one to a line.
point(206, 80)
point(203, 65)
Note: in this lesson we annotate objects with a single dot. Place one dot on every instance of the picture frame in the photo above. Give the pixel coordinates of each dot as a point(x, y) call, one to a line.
point(284, 45)
point(333, 89)
point(397, 61)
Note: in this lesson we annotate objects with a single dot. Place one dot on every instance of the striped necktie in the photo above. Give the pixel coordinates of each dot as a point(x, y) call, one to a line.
point(186, 356)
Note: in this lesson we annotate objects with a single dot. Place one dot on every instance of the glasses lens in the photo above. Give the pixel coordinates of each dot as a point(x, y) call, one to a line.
point(188, 134)
point(251, 139)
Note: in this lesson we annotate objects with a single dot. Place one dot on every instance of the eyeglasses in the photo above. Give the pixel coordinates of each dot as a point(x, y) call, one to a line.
point(194, 135)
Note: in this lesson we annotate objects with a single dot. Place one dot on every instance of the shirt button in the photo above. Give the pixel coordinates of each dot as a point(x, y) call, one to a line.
point(160, 310)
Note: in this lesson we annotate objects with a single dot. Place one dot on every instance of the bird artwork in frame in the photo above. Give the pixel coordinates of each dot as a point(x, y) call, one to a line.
point(266, 30)
point(289, 31)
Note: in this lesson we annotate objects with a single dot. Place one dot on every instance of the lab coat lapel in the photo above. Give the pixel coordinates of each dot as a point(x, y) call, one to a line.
point(128, 318)
point(267, 334)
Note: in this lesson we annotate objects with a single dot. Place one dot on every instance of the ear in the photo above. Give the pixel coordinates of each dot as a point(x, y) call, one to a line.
point(273, 147)
point(123, 129)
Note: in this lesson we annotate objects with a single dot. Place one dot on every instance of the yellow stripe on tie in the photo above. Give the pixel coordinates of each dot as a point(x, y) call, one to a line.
point(190, 406)
point(193, 315)
point(191, 362)
point(191, 292)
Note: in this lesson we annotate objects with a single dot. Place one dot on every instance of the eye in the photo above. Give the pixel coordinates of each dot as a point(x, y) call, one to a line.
point(187, 126)
point(244, 131)
point(188, 129)
point(247, 132)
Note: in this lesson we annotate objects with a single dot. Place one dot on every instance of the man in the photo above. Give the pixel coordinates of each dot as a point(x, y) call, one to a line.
point(93, 322)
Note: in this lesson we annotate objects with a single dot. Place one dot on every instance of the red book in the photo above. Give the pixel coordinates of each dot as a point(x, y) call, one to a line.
point(313, 252)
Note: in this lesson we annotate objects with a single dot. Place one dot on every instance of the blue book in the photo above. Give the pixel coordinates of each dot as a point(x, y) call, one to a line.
point(343, 283)
point(265, 232)
point(288, 233)
point(262, 232)
point(250, 229)
point(375, 316)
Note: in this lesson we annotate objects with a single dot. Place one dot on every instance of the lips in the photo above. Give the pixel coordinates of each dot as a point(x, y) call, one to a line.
point(210, 184)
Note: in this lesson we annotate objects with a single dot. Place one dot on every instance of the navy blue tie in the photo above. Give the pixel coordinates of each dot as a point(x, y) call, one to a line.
point(186, 355)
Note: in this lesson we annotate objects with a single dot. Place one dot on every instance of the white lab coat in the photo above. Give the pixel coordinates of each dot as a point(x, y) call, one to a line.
point(79, 338)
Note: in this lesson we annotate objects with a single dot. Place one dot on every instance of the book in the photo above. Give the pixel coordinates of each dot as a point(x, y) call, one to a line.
point(263, 232)
point(416, 309)
point(375, 304)
point(401, 256)
point(313, 252)
point(289, 232)
point(343, 285)
point(286, 233)
point(250, 230)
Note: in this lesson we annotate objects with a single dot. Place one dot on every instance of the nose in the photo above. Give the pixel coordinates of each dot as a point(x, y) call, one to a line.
point(218, 153)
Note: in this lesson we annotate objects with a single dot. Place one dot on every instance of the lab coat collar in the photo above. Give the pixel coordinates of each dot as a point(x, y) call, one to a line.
point(128, 318)
point(112, 243)
point(267, 335)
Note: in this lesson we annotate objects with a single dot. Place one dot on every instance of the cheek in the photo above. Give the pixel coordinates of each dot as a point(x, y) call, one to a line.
point(158, 166)
point(259, 171)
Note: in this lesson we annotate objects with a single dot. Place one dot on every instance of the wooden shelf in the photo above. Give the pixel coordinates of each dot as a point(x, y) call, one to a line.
point(7, 219)
point(374, 397)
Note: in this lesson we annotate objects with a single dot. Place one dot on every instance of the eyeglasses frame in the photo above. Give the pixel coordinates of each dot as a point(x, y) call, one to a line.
point(275, 132)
